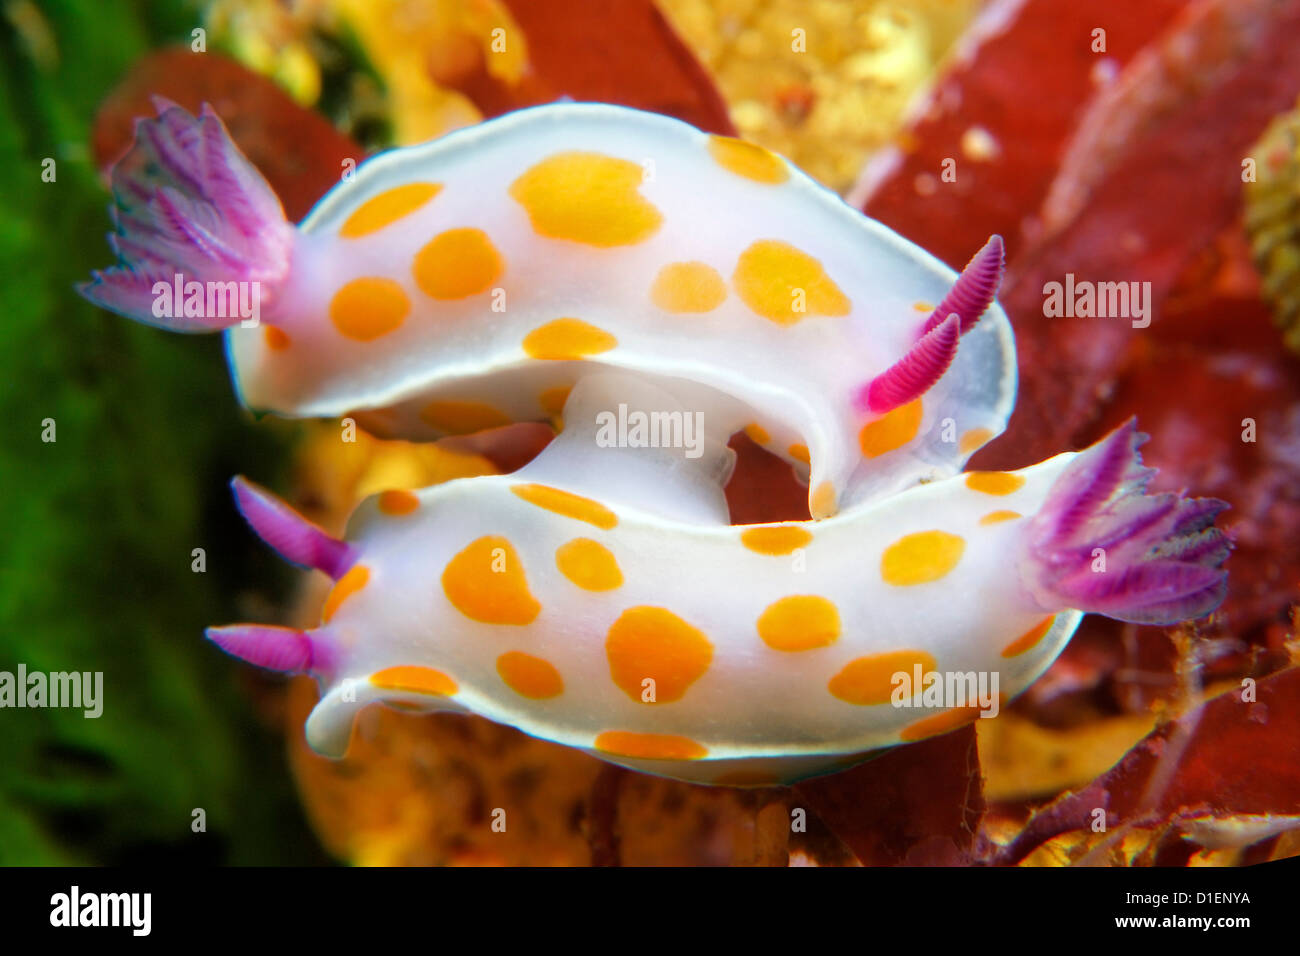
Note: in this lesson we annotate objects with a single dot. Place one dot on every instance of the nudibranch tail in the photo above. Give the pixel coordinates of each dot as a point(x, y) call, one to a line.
point(282, 649)
point(190, 208)
point(288, 533)
point(974, 290)
point(916, 372)
point(1101, 544)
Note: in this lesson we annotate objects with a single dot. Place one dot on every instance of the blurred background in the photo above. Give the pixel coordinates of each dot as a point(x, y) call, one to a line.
point(1155, 142)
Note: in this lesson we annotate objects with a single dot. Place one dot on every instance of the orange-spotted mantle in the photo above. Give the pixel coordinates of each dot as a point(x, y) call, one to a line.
point(768, 649)
point(465, 283)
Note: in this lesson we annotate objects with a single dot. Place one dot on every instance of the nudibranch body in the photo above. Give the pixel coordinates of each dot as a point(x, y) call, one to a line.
point(653, 635)
point(470, 282)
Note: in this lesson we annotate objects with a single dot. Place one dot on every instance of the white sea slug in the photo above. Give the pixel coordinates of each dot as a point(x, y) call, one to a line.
point(468, 283)
point(597, 598)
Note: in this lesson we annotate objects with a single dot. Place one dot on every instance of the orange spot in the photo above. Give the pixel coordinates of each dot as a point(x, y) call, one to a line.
point(785, 285)
point(415, 680)
point(921, 557)
point(552, 399)
point(683, 287)
point(748, 159)
point(365, 309)
point(530, 676)
point(462, 418)
point(388, 207)
point(996, 517)
point(975, 438)
point(457, 263)
point(923, 306)
point(276, 339)
point(994, 482)
point(757, 434)
point(589, 565)
point(397, 502)
point(357, 577)
point(568, 504)
point(892, 430)
point(940, 723)
point(776, 539)
point(1029, 639)
point(566, 339)
point(624, 743)
point(588, 198)
point(822, 502)
point(651, 642)
point(870, 680)
point(799, 623)
point(799, 453)
point(486, 582)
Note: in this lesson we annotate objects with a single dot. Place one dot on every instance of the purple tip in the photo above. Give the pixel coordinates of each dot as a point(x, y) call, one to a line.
point(916, 372)
point(280, 649)
point(188, 204)
point(292, 536)
point(1096, 476)
point(162, 104)
point(974, 290)
point(1101, 544)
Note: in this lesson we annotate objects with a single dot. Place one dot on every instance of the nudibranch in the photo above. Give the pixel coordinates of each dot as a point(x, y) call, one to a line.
point(613, 610)
point(468, 283)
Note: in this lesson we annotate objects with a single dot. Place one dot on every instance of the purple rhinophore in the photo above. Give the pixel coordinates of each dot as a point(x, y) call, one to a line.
point(292, 536)
point(974, 290)
point(282, 649)
point(916, 372)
